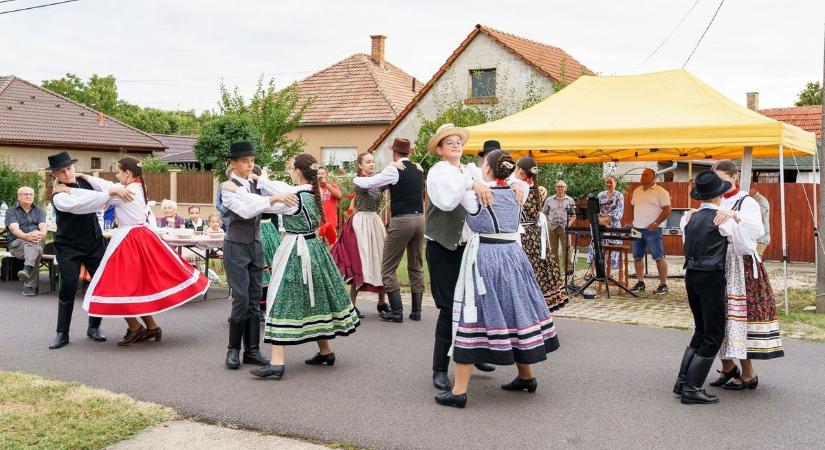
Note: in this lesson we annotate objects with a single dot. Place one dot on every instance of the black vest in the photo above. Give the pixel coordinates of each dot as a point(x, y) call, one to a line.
point(77, 230)
point(705, 247)
point(406, 195)
point(238, 229)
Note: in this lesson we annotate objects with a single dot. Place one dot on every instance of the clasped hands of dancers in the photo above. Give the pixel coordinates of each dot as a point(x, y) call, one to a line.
point(493, 286)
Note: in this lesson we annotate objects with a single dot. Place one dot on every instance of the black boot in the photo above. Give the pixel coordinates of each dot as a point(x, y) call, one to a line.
point(251, 343)
point(60, 340)
point(233, 360)
point(521, 385)
point(320, 360)
point(396, 313)
point(484, 367)
point(269, 371)
point(415, 310)
point(697, 372)
point(382, 308)
point(441, 381)
point(680, 380)
point(94, 334)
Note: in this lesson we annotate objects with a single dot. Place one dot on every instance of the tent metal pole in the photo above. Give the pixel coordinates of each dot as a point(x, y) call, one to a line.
point(747, 169)
point(784, 234)
point(690, 178)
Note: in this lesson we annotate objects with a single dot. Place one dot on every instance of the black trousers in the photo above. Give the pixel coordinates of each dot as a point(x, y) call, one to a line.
point(69, 258)
point(443, 265)
point(244, 266)
point(706, 296)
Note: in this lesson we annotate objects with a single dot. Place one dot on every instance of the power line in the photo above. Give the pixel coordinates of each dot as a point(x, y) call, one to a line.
point(35, 7)
point(6, 1)
point(668, 36)
point(704, 32)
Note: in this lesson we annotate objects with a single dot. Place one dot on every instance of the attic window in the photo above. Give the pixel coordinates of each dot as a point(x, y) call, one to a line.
point(95, 163)
point(483, 83)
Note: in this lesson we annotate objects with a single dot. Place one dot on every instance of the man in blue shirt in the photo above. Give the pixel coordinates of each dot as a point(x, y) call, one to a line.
point(26, 225)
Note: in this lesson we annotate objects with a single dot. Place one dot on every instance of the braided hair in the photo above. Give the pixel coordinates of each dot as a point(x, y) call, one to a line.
point(308, 166)
point(528, 165)
point(501, 164)
point(133, 165)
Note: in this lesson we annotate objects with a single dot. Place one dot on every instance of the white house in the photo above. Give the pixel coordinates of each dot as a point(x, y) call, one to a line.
point(490, 68)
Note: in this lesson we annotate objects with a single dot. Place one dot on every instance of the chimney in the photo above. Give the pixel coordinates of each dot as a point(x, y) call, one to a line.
point(100, 118)
point(413, 84)
point(377, 53)
point(753, 101)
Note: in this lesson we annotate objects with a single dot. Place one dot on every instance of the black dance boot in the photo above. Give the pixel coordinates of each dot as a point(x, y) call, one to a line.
point(233, 353)
point(697, 372)
point(396, 313)
point(269, 371)
point(484, 367)
point(521, 385)
point(447, 398)
point(251, 343)
point(94, 334)
point(59, 341)
point(680, 380)
point(415, 311)
point(441, 381)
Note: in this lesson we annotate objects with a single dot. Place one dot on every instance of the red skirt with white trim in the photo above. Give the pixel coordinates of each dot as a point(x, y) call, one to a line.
point(141, 275)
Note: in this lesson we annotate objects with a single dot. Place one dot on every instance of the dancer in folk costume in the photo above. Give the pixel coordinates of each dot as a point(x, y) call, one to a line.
point(360, 249)
point(128, 282)
point(752, 329)
point(534, 239)
point(270, 229)
point(499, 313)
point(243, 254)
point(306, 300)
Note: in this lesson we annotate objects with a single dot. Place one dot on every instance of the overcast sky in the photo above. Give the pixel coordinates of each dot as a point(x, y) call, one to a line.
point(173, 53)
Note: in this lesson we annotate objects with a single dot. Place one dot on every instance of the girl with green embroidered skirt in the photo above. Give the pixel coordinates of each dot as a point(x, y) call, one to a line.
point(306, 299)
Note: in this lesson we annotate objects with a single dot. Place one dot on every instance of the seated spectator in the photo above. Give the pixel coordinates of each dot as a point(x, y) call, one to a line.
point(26, 223)
point(215, 224)
point(170, 217)
point(194, 221)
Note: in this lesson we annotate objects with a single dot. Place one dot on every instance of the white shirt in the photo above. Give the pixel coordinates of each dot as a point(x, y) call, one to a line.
point(738, 233)
point(248, 205)
point(386, 177)
point(84, 201)
point(648, 204)
point(750, 221)
point(470, 199)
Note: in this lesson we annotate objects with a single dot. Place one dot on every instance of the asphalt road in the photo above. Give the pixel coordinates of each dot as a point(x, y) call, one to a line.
point(607, 387)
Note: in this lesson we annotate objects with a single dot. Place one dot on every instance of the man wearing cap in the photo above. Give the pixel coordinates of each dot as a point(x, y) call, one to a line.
point(706, 247)
point(406, 230)
point(26, 223)
point(243, 254)
point(77, 241)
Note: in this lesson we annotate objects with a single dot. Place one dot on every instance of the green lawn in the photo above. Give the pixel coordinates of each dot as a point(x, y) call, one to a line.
point(37, 412)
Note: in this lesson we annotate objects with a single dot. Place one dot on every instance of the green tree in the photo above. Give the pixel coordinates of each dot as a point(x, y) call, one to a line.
point(11, 178)
point(99, 93)
point(582, 179)
point(811, 95)
point(212, 146)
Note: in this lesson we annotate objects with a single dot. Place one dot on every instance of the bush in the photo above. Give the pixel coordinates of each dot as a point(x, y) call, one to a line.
point(212, 147)
point(11, 179)
point(152, 164)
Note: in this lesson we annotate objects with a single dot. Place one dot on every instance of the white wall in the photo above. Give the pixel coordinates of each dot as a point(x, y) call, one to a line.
point(512, 79)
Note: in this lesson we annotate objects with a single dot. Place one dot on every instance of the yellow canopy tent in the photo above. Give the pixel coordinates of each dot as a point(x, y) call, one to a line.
point(667, 115)
point(658, 116)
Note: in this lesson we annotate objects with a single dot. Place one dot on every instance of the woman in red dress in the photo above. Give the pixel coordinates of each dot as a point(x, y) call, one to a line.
point(330, 196)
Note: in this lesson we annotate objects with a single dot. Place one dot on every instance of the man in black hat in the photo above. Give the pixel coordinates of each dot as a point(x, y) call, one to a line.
point(475, 168)
point(78, 240)
point(243, 254)
point(705, 249)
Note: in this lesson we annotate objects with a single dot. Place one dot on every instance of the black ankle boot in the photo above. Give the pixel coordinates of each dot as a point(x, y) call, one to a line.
point(382, 308)
point(415, 310)
point(447, 398)
point(521, 385)
point(251, 339)
point(396, 313)
point(484, 367)
point(319, 359)
point(441, 381)
point(269, 371)
point(680, 379)
point(697, 372)
point(233, 353)
point(94, 334)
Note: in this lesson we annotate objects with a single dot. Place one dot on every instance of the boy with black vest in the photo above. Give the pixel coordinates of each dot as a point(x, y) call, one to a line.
point(706, 246)
point(243, 257)
point(406, 231)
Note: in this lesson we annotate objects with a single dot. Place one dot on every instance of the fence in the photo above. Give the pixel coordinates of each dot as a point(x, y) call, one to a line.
point(183, 187)
point(798, 218)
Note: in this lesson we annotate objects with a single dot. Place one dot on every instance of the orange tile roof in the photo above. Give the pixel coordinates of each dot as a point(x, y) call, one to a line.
point(356, 90)
point(809, 118)
point(32, 115)
point(552, 62)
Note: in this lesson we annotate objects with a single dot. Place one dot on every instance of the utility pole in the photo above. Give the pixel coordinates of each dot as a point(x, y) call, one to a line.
point(820, 252)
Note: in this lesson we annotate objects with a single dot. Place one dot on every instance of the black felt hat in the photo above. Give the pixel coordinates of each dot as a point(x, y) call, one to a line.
point(239, 149)
point(59, 161)
point(708, 185)
point(488, 147)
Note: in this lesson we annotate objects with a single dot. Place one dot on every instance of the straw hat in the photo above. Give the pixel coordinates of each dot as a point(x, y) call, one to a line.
point(445, 130)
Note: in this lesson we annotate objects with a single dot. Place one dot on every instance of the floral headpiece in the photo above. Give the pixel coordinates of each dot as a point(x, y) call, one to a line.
point(314, 166)
point(507, 165)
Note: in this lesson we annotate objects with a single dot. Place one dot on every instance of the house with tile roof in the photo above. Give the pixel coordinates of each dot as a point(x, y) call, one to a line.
point(490, 67)
point(36, 123)
point(180, 150)
point(352, 102)
point(798, 169)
